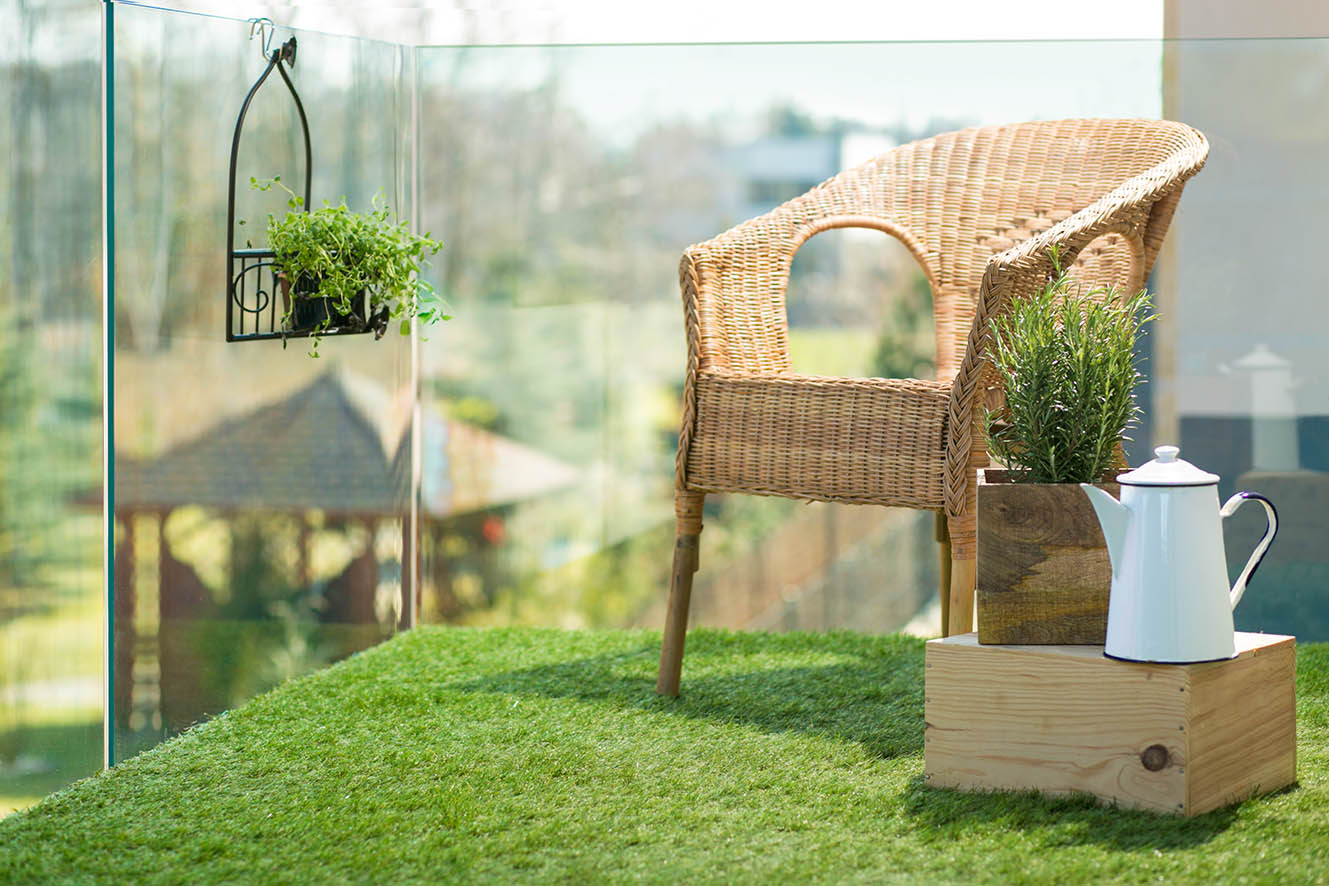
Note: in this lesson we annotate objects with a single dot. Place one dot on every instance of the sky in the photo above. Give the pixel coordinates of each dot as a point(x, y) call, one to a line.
point(709, 21)
point(994, 62)
point(622, 90)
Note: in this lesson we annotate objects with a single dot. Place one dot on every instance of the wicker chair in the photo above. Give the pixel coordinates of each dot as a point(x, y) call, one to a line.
point(978, 209)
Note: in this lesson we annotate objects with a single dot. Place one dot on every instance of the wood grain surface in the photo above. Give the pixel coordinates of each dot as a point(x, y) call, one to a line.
point(1043, 569)
point(1243, 725)
point(1182, 739)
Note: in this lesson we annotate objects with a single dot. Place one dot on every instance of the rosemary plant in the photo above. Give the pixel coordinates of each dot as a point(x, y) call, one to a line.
point(1066, 357)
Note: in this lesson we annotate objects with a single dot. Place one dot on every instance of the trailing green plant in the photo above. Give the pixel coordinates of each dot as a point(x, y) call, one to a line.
point(336, 253)
point(1066, 358)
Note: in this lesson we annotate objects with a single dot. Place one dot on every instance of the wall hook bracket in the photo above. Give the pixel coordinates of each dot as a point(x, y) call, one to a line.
point(253, 287)
point(260, 303)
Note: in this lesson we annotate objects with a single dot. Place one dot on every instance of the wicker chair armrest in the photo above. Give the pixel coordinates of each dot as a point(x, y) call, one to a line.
point(1025, 267)
point(1126, 208)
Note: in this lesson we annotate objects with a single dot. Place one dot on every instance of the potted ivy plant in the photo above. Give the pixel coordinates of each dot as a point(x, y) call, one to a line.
point(347, 271)
point(1066, 359)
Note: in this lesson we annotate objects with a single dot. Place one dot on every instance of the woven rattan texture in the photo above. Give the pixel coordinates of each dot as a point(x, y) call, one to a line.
point(807, 437)
point(978, 208)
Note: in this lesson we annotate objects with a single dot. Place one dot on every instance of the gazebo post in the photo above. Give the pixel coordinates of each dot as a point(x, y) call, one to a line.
point(302, 551)
point(124, 636)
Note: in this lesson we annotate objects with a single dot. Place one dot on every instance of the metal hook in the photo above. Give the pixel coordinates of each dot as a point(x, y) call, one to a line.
point(265, 29)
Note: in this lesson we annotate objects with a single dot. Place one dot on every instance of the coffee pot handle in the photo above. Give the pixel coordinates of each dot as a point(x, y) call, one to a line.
point(1229, 508)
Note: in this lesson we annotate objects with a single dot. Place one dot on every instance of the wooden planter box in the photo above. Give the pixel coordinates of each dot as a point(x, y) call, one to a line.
point(1182, 739)
point(1043, 569)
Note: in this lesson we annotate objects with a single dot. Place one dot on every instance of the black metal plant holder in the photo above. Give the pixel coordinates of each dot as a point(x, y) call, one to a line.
point(255, 302)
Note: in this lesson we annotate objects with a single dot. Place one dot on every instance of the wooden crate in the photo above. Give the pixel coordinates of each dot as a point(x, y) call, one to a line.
point(1065, 719)
point(1043, 570)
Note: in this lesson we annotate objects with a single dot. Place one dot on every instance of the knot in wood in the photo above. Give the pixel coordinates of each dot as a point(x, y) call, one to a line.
point(1154, 757)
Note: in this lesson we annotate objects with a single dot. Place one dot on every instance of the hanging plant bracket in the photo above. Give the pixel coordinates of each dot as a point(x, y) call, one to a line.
point(256, 308)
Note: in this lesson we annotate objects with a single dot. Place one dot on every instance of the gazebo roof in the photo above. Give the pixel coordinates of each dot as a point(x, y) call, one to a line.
point(341, 444)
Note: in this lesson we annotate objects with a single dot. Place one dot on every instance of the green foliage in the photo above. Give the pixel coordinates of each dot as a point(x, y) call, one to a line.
point(50, 416)
point(789, 121)
point(521, 755)
point(26, 515)
point(352, 252)
point(1066, 357)
point(477, 411)
point(906, 347)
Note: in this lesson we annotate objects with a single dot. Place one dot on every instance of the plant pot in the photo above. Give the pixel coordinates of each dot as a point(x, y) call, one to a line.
point(309, 312)
point(1043, 569)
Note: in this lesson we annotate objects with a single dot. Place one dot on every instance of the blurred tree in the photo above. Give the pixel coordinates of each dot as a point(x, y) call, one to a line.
point(28, 465)
point(789, 121)
point(906, 346)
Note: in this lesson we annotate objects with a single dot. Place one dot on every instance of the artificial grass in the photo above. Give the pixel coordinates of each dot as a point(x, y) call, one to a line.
point(496, 755)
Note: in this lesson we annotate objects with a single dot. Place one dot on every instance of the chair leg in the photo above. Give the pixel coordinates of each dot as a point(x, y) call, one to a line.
point(943, 537)
point(964, 572)
point(961, 616)
point(687, 508)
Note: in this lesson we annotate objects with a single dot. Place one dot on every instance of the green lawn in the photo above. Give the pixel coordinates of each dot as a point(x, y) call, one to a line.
point(64, 750)
point(497, 755)
point(51, 635)
point(832, 351)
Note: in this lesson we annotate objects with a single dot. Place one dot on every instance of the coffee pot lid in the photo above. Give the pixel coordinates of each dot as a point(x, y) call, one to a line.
point(1167, 470)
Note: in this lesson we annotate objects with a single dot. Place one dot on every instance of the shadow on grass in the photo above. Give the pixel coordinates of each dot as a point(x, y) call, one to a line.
point(1069, 821)
point(873, 699)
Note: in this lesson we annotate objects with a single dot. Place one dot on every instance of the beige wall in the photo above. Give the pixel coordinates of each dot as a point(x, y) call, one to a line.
point(1194, 19)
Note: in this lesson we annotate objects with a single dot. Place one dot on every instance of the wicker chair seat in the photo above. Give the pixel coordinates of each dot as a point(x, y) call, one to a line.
point(819, 438)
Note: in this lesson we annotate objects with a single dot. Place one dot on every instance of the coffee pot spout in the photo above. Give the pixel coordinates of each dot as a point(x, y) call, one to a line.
point(1113, 518)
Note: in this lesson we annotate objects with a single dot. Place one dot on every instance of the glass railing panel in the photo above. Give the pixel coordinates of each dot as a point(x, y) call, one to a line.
point(51, 598)
point(261, 496)
point(567, 181)
point(1239, 364)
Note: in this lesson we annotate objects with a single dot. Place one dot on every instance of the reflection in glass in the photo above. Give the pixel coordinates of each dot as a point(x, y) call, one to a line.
point(563, 247)
point(262, 497)
point(1239, 356)
point(51, 619)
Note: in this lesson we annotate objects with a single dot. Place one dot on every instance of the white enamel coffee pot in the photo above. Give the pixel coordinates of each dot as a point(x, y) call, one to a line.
point(1170, 600)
